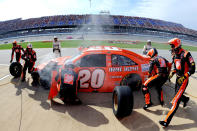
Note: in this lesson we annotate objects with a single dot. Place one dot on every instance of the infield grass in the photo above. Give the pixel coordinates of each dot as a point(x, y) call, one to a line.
point(77, 43)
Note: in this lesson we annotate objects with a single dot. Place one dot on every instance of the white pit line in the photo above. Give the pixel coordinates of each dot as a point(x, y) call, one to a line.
point(4, 77)
point(4, 65)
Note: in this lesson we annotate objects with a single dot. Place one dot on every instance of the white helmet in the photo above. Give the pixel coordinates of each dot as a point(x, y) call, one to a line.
point(149, 41)
point(29, 45)
point(55, 37)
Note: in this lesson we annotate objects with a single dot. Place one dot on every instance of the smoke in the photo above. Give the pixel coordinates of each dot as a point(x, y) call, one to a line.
point(93, 31)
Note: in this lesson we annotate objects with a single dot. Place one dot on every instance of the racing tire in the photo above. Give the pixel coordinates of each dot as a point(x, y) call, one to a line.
point(122, 101)
point(45, 84)
point(134, 81)
point(16, 69)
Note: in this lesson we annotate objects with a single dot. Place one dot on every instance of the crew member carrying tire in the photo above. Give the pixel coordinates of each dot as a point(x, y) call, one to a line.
point(17, 49)
point(67, 80)
point(56, 45)
point(161, 68)
point(30, 58)
point(184, 66)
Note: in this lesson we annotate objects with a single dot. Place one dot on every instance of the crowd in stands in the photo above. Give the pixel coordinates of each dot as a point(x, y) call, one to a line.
point(7, 27)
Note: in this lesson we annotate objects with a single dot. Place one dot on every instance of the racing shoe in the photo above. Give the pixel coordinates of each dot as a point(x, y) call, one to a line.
point(147, 105)
point(185, 102)
point(161, 103)
point(163, 123)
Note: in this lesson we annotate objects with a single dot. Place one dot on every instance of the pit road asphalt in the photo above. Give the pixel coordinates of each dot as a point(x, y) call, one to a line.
point(26, 108)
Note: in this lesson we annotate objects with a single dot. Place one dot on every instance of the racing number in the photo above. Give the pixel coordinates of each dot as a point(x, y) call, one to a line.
point(96, 81)
point(84, 76)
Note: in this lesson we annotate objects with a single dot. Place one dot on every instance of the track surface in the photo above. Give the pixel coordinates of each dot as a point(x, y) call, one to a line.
point(26, 108)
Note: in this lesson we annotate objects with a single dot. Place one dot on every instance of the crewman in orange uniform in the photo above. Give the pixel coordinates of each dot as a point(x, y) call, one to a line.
point(161, 68)
point(184, 66)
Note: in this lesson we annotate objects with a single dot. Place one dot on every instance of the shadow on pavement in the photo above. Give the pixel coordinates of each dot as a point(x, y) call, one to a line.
point(189, 112)
point(38, 93)
point(82, 113)
point(138, 122)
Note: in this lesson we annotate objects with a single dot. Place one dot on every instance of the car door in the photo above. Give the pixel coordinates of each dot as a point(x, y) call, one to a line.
point(121, 65)
point(91, 69)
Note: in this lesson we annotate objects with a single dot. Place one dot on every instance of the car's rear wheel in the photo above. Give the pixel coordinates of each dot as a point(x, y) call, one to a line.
point(15, 69)
point(122, 101)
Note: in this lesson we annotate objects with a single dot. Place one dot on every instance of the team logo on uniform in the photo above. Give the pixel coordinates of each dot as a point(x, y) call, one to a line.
point(178, 64)
point(68, 79)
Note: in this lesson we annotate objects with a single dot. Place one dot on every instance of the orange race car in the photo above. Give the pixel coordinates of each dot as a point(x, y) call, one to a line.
point(103, 69)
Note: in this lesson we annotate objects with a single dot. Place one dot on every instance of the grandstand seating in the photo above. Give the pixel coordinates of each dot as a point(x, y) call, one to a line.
point(59, 21)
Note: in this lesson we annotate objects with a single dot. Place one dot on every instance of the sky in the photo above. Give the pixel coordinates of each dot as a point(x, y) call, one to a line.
point(179, 11)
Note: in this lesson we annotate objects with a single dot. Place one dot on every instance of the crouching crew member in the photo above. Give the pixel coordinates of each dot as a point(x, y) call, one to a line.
point(30, 58)
point(17, 49)
point(161, 68)
point(67, 80)
point(184, 66)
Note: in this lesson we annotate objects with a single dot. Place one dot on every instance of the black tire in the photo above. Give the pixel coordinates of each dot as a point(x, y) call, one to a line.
point(45, 84)
point(122, 101)
point(15, 69)
point(134, 81)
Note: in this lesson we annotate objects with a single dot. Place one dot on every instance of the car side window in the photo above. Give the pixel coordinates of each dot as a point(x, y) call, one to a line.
point(94, 60)
point(120, 60)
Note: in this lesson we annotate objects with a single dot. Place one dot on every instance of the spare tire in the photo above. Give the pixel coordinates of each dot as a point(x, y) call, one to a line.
point(16, 69)
point(122, 101)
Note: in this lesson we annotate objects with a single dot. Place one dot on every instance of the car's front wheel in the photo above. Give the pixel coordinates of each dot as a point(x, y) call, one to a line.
point(122, 101)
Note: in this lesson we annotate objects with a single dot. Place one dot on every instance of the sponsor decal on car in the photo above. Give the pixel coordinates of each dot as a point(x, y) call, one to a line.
point(115, 69)
point(135, 68)
point(145, 67)
point(116, 77)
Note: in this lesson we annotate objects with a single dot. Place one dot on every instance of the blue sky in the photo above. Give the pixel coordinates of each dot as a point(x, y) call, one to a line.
point(179, 11)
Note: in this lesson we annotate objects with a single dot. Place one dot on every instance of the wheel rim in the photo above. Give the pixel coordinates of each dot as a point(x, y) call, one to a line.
point(16, 69)
point(115, 101)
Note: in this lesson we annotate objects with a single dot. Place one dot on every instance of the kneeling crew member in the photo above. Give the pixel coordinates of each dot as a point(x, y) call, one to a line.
point(161, 67)
point(68, 78)
point(184, 66)
point(30, 58)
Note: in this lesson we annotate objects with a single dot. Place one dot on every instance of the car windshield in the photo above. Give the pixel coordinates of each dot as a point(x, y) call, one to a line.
point(70, 60)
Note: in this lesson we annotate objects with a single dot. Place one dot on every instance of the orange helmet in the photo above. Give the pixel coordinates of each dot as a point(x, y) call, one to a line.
point(175, 43)
point(152, 52)
point(14, 42)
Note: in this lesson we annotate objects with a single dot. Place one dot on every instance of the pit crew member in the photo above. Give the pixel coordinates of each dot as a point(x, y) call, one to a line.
point(184, 67)
point(17, 49)
point(30, 58)
point(161, 68)
point(56, 45)
point(67, 80)
point(147, 47)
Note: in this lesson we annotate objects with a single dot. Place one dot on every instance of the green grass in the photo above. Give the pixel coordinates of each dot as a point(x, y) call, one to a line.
point(77, 43)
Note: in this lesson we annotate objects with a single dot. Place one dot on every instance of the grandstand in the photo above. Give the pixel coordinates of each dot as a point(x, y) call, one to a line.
point(107, 24)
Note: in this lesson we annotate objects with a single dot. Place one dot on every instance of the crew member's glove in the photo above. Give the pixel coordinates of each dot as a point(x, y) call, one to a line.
point(10, 61)
point(171, 75)
point(182, 78)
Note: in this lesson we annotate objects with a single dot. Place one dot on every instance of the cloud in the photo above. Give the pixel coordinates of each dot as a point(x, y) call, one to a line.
point(182, 12)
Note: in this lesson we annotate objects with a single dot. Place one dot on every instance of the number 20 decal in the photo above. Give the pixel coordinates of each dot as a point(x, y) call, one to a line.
point(96, 79)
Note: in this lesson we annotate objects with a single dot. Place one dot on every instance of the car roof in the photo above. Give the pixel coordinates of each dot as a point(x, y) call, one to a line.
point(111, 49)
point(102, 49)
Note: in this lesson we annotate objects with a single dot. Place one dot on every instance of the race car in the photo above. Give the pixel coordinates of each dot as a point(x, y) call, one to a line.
point(103, 69)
